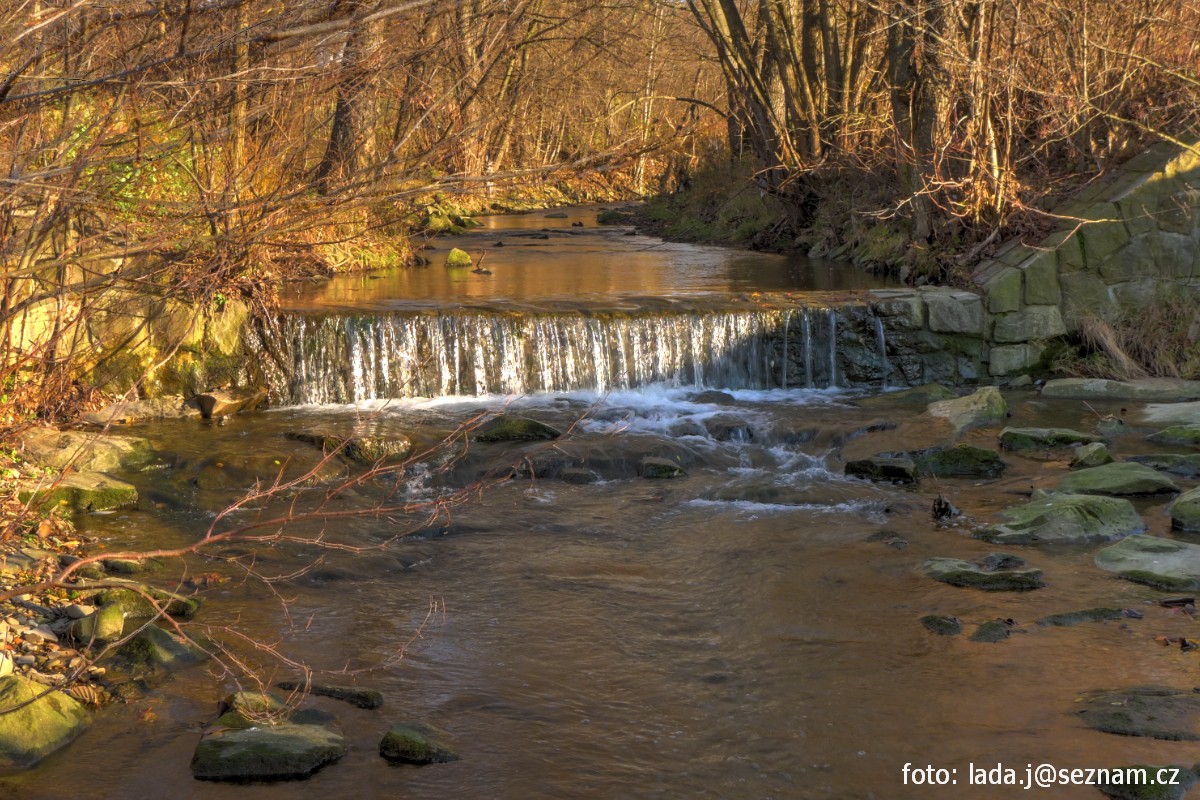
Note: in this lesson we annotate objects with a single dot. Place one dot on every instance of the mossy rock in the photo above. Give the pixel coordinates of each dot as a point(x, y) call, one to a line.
point(1187, 466)
point(247, 709)
point(883, 470)
point(366, 450)
point(1188, 435)
point(1151, 711)
point(1091, 455)
point(38, 728)
point(84, 491)
point(660, 468)
point(266, 753)
point(960, 461)
point(1065, 519)
point(992, 631)
point(942, 625)
point(1165, 564)
point(1119, 479)
point(1069, 618)
point(511, 428)
point(413, 744)
point(984, 407)
point(156, 649)
point(458, 258)
point(957, 572)
point(106, 624)
point(1185, 511)
point(1042, 438)
point(355, 695)
point(137, 606)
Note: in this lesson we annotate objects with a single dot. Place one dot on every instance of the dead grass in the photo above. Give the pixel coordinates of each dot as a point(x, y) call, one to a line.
point(1161, 340)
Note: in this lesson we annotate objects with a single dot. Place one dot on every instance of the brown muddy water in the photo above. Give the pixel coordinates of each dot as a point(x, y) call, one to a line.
point(750, 630)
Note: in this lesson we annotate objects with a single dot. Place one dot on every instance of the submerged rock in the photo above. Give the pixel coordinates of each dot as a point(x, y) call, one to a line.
point(917, 396)
point(959, 461)
point(942, 625)
point(1038, 438)
point(355, 695)
point(1119, 479)
point(511, 428)
point(652, 467)
point(1069, 618)
point(1091, 455)
point(1152, 711)
point(1065, 519)
point(884, 470)
point(1008, 578)
point(31, 729)
point(578, 476)
point(1184, 466)
point(269, 753)
point(1185, 511)
point(1188, 435)
point(992, 631)
point(156, 649)
point(984, 407)
point(1162, 563)
point(365, 450)
point(413, 744)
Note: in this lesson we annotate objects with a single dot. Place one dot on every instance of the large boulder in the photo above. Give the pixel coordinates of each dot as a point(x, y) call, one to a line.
point(1065, 519)
point(266, 753)
point(1121, 479)
point(984, 407)
point(1039, 438)
point(511, 428)
point(1162, 563)
point(85, 452)
point(1185, 511)
point(998, 572)
point(34, 723)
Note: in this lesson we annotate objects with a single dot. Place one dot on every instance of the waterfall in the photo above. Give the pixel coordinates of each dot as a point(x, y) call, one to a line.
point(808, 354)
point(341, 359)
point(884, 366)
point(832, 348)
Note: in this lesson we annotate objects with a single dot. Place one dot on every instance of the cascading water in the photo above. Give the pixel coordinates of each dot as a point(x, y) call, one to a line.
point(881, 340)
point(320, 359)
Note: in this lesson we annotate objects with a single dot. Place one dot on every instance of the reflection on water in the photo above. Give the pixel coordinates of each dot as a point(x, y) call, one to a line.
point(575, 265)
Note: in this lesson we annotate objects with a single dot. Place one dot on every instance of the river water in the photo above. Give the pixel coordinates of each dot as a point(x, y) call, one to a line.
point(748, 630)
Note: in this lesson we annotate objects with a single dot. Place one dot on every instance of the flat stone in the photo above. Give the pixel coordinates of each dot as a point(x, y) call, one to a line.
point(1187, 435)
point(984, 407)
point(1065, 519)
point(1120, 479)
point(84, 451)
point(957, 572)
point(1162, 563)
point(269, 753)
point(1149, 390)
point(1169, 414)
point(1039, 438)
point(355, 695)
point(1150, 711)
point(1184, 466)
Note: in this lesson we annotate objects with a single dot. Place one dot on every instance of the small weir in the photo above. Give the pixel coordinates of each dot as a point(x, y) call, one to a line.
point(346, 358)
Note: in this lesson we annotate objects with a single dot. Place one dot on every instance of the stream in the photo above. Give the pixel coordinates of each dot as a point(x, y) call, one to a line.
point(748, 630)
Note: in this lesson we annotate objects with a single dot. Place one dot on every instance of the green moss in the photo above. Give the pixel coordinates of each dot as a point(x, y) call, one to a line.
point(458, 258)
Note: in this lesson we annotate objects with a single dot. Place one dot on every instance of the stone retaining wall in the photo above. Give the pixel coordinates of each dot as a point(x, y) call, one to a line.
point(1120, 246)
